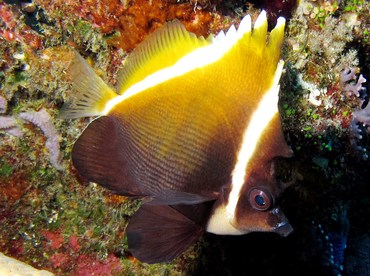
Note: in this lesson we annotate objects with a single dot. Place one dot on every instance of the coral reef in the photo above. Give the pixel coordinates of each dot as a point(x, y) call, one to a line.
point(14, 29)
point(61, 224)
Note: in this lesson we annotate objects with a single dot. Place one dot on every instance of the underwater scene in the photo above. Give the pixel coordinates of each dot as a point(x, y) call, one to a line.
point(184, 137)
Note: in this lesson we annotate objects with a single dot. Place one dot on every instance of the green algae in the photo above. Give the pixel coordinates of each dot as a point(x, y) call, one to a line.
point(6, 170)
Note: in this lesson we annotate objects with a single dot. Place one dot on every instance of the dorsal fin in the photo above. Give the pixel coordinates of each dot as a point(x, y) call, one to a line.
point(89, 92)
point(161, 49)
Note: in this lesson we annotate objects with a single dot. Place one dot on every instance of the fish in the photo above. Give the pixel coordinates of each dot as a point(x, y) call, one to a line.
point(193, 129)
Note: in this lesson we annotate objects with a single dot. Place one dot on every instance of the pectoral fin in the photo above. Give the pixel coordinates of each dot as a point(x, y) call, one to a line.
point(99, 155)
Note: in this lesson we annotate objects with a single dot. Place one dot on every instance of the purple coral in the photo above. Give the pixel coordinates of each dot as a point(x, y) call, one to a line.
point(3, 105)
point(42, 119)
point(359, 116)
point(8, 123)
point(348, 81)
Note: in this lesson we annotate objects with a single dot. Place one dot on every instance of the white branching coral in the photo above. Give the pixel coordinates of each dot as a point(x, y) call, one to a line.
point(42, 119)
point(314, 91)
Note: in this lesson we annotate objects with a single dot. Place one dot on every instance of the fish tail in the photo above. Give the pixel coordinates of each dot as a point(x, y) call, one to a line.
point(89, 92)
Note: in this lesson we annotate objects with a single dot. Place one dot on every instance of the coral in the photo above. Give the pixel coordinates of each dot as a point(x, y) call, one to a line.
point(9, 125)
point(362, 116)
point(318, 40)
point(129, 22)
point(42, 119)
point(359, 116)
point(325, 46)
point(16, 186)
point(3, 105)
point(352, 88)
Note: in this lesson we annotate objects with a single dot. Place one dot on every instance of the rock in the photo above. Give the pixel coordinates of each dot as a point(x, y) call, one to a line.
point(13, 267)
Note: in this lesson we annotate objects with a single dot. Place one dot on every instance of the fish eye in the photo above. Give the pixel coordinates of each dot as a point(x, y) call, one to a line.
point(260, 200)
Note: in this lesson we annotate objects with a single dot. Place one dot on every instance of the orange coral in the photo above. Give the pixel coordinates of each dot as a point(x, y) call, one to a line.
point(133, 21)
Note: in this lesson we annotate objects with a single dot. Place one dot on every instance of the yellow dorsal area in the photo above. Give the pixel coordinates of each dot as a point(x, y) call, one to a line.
point(246, 58)
point(161, 49)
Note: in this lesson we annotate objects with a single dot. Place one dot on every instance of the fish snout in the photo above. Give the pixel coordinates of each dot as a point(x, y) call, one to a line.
point(283, 227)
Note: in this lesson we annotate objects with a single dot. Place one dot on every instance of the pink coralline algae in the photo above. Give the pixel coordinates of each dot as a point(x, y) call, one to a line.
point(87, 265)
point(42, 119)
point(7, 123)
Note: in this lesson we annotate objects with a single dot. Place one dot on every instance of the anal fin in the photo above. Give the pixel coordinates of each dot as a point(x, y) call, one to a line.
point(161, 233)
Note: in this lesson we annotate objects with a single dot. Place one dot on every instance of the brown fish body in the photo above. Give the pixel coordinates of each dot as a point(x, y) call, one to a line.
point(198, 137)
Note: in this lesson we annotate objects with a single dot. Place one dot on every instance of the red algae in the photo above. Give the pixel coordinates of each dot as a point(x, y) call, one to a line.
point(13, 30)
point(65, 256)
point(60, 260)
point(55, 240)
point(102, 14)
point(74, 244)
point(88, 265)
point(14, 187)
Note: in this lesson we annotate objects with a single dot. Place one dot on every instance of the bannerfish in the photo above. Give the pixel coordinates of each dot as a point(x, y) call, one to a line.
point(192, 126)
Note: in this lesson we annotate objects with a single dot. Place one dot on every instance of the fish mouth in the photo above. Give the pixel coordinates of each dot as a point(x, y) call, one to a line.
point(283, 229)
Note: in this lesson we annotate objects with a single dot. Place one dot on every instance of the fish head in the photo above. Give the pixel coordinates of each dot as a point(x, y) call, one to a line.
point(250, 201)
point(258, 210)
